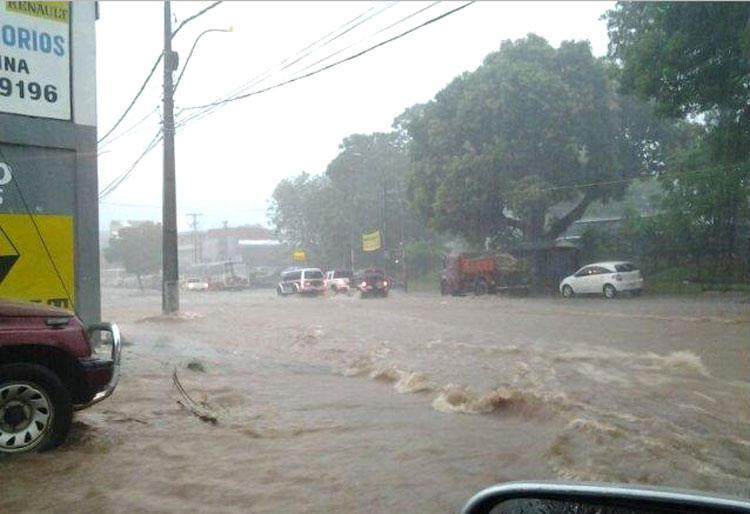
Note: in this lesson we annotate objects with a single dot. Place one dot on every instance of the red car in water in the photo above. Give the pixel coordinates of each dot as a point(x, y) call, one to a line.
point(50, 365)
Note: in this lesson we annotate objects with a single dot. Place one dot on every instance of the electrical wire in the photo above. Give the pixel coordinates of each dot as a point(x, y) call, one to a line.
point(114, 184)
point(135, 99)
point(205, 108)
point(324, 68)
point(122, 177)
point(303, 53)
point(131, 128)
point(370, 36)
point(189, 209)
point(151, 73)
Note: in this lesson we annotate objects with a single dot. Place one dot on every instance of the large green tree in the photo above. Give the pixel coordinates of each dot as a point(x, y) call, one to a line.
point(693, 60)
point(532, 127)
point(300, 211)
point(137, 247)
point(362, 189)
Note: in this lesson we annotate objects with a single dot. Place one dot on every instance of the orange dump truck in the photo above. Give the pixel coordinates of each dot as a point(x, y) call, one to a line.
point(482, 273)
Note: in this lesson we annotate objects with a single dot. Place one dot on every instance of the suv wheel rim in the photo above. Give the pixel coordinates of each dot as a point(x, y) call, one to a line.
point(25, 416)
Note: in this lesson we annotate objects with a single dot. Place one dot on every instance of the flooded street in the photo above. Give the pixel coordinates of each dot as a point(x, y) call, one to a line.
point(406, 404)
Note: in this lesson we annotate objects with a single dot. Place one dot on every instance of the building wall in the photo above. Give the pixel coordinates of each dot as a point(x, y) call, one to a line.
point(55, 173)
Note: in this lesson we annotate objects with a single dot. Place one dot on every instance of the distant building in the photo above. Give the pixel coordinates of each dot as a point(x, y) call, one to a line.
point(252, 245)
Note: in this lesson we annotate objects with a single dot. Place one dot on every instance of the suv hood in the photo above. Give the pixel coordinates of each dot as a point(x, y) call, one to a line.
point(17, 308)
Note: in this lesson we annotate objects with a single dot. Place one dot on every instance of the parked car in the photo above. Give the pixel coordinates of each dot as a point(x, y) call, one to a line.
point(50, 365)
point(306, 281)
point(195, 284)
point(338, 281)
point(373, 282)
point(605, 278)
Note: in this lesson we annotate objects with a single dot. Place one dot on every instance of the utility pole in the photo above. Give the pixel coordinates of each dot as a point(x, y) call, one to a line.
point(170, 300)
point(194, 226)
point(225, 241)
point(386, 251)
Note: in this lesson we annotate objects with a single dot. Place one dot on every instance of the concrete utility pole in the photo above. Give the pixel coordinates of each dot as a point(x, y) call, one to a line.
point(170, 300)
point(386, 251)
point(225, 241)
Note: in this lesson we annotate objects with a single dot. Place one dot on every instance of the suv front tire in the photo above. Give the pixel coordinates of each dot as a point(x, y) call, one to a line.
point(35, 409)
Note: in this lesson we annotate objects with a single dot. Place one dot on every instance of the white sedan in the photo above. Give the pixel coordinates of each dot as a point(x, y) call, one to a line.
point(606, 278)
point(196, 284)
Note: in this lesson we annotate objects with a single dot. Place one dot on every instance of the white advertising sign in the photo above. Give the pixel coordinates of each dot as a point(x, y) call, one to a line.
point(35, 59)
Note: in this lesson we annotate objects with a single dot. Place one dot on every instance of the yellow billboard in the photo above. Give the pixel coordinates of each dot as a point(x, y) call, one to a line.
point(299, 255)
point(55, 11)
point(34, 268)
point(371, 242)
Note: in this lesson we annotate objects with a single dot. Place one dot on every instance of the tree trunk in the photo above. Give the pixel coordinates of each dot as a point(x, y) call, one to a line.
point(561, 225)
point(140, 282)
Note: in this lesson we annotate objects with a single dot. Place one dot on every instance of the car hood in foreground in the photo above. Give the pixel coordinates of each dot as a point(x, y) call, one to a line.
point(29, 309)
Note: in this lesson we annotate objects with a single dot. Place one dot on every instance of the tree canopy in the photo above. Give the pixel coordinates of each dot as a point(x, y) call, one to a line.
point(532, 127)
point(137, 247)
point(692, 58)
point(363, 189)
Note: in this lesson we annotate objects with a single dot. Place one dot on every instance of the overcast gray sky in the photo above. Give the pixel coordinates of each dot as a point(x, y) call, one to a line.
point(229, 162)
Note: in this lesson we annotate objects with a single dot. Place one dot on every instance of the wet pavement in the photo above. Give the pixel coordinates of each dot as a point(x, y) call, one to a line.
point(406, 404)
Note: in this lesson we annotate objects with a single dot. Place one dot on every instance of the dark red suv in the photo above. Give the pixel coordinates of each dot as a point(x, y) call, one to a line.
point(50, 365)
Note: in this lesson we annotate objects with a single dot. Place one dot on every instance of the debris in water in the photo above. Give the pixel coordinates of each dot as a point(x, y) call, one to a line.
point(196, 365)
point(202, 410)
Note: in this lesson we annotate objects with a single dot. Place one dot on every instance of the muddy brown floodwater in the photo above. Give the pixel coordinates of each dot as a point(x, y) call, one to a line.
point(406, 404)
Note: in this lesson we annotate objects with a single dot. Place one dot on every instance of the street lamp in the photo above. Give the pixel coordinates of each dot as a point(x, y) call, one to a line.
point(195, 43)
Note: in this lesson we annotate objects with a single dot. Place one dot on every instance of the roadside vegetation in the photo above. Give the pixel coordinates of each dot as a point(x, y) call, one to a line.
point(537, 138)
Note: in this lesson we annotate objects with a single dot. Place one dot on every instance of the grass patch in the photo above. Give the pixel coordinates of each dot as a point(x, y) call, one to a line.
point(683, 280)
point(196, 366)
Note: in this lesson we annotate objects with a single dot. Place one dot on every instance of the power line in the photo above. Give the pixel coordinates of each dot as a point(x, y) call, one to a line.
point(385, 8)
point(207, 108)
point(265, 75)
point(151, 73)
point(135, 98)
point(370, 36)
point(154, 206)
point(260, 77)
point(131, 128)
point(114, 184)
point(329, 66)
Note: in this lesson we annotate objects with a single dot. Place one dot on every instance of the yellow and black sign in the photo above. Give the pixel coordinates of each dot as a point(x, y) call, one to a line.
point(28, 269)
point(55, 11)
point(299, 255)
point(371, 242)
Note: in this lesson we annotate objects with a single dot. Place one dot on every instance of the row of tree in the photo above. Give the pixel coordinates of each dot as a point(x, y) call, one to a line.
point(362, 190)
point(499, 150)
point(692, 60)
